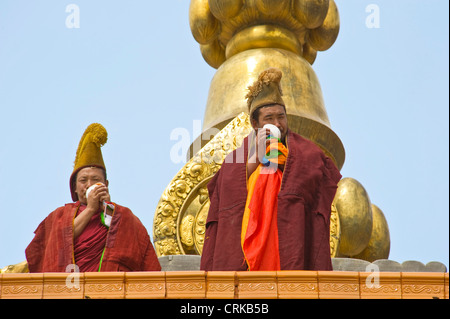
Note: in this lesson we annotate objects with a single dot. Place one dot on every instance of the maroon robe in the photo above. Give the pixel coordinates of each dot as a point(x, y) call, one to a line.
point(128, 246)
point(304, 207)
point(88, 246)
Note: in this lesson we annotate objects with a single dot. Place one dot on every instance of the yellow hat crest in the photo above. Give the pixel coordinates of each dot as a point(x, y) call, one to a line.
point(266, 90)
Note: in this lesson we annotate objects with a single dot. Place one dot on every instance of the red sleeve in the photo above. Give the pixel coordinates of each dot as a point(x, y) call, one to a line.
point(51, 249)
point(331, 170)
point(331, 177)
point(36, 249)
point(150, 262)
point(206, 262)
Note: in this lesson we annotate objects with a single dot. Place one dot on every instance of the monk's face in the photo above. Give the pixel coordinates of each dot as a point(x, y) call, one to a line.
point(87, 177)
point(272, 114)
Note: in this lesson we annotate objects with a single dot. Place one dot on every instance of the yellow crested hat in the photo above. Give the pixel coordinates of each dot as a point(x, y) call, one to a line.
point(266, 90)
point(89, 152)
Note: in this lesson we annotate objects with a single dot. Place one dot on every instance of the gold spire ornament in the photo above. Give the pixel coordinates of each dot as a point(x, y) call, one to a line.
point(89, 152)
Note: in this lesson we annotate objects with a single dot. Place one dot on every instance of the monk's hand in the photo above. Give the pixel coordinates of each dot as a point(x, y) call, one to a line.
point(104, 194)
point(97, 196)
point(262, 142)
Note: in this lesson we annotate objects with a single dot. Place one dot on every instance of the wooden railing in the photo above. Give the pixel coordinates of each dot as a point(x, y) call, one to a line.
point(226, 285)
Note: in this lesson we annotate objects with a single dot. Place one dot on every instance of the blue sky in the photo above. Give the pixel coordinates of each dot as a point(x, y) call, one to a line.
point(134, 67)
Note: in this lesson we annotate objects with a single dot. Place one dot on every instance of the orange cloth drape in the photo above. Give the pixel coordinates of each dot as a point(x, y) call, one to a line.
point(259, 236)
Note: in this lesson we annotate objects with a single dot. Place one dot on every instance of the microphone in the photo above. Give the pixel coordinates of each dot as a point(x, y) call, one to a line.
point(274, 133)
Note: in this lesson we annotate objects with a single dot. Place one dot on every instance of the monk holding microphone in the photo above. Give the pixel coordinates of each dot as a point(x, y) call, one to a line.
point(271, 210)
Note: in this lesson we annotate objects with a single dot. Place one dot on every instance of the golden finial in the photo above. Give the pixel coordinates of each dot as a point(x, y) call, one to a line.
point(224, 28)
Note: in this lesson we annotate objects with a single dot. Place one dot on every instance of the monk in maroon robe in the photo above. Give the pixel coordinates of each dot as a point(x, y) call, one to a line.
point(301, 217)
point(125, 245)
point(93, 233)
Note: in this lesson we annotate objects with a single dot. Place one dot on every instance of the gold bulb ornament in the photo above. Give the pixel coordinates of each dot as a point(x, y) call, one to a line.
point(204, 26)
point(225, 9)
point(355, 216)
point(213, 53)
point(310, 13)
point(324, 36)
point(379, 244)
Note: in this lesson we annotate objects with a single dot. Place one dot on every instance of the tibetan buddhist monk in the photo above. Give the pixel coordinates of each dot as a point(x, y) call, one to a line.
point(92, 233)
point(271, 210)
